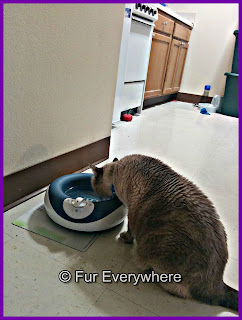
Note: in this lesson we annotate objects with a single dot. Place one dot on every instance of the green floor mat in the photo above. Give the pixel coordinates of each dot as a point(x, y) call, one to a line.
point(36, 220)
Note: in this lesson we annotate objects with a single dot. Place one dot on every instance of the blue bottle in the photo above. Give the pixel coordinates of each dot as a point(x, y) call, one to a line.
point(204, 98)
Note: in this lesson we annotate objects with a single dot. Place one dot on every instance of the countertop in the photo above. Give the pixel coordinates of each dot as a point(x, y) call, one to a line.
point(172, 13)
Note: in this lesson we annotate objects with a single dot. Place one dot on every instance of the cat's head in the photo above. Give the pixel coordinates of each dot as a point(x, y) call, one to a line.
point(102, 179)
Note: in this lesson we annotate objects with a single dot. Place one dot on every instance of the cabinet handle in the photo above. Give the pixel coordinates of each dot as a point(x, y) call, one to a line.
point(153, 35)
point(182, 44)
point(165, 23)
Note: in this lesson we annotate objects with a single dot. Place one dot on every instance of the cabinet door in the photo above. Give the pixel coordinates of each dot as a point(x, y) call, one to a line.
point(173, 58)
point(180, 66)
point(175, 66)
point(157, 65)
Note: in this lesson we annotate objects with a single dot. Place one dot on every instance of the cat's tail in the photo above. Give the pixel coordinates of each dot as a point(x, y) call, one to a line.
point(228, 298)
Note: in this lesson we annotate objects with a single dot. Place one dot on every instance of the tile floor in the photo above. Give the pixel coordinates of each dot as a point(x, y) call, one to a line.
point(204, 149)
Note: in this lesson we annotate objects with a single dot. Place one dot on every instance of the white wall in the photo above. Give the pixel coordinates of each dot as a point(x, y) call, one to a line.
point(60, 70)
point(211, 46)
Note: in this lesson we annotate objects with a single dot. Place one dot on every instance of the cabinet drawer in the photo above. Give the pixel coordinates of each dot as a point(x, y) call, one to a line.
point(181, 32)
point(164, 24)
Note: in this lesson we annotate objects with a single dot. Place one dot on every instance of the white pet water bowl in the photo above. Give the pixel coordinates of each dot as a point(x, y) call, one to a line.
point(213, 106)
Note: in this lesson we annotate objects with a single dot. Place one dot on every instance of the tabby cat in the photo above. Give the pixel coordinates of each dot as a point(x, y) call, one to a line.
point(175, 227)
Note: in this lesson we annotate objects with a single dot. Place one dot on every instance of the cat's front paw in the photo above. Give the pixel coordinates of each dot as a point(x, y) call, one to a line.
point(126, 237)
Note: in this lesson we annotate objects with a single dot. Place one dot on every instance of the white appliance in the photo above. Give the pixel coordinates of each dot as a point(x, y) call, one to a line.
point(134, 56)
point(213, 106)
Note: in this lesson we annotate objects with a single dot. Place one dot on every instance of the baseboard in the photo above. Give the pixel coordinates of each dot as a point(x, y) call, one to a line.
point(158, 100)
point(24, 184)
point(192, 98)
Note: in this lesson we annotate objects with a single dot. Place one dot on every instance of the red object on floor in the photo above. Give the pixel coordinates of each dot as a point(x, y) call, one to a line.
point(174, 100)
point(127, 117)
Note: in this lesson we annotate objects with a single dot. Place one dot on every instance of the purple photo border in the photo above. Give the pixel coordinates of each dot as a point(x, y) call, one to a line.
point(1, 158)
point(109, 1)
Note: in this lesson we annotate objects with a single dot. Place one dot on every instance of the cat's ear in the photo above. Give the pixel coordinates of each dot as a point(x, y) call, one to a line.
point(115, 159)
point(97, 171)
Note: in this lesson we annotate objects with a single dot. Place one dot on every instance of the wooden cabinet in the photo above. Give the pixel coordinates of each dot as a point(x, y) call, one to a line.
point(175, 66)
point(167, 57)
point(157, 65)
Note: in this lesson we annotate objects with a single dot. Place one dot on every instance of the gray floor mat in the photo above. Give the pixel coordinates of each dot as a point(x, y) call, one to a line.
point(36, 220)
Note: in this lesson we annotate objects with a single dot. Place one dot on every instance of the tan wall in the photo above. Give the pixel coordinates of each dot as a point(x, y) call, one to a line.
point(211, 46)
point(60, 70)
